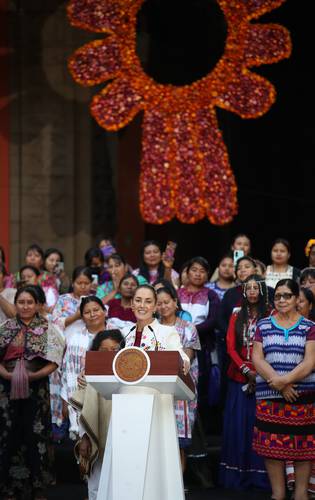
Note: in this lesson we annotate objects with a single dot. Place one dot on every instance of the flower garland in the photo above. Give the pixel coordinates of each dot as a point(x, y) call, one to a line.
point(185, 169)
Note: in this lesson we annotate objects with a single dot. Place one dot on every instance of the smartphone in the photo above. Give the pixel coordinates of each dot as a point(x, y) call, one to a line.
point(59, 267)
point(170, 249)
point(95, 279)
point(237, 254)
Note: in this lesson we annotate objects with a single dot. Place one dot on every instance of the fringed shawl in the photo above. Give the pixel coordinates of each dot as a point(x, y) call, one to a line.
point(41, 339)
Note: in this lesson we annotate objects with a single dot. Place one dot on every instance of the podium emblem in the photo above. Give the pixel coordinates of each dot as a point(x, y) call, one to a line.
point(131, 365)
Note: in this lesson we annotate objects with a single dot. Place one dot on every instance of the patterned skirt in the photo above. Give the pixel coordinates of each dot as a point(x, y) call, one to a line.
point(285, 431)
point(26, 453)
point(240, 467)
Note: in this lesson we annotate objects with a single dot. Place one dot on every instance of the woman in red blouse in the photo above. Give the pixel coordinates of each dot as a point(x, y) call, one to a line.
point(240, 467)
point(120, 313)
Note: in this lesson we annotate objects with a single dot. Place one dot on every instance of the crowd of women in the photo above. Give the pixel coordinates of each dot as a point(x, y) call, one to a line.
point(245, 333)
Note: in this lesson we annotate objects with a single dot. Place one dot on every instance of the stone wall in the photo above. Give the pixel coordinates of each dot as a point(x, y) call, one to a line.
point(52, 160)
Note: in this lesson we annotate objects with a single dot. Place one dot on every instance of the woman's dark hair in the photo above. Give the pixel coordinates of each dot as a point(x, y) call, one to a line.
point(243, 315)
point(87, 300)
point(201, 261)
point(115, 335)
point(119, 258)
point(283, 242)
point(240, 235)
point(227, 255)
point(308, 272)
point(36, 248)
point(162, 281)
point(127, 276)
point(261, 264)
point(40, 293)
point(32, 268)
point(86, 271)
point(246, 257)
point(106, 238)
point(171, 291)
point(3, 269)
point(291, 284)
point(143, 268)
point(308, 294)
point(2, 255)
point(27, 289)
point(148, 287)
point(50, 251)
point(91, 253)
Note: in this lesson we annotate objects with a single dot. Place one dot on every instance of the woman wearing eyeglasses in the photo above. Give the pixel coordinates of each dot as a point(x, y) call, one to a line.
point(284, 358)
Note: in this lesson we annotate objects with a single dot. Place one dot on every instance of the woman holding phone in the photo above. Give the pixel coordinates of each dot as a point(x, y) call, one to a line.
point(54, 264)
point(155, 264)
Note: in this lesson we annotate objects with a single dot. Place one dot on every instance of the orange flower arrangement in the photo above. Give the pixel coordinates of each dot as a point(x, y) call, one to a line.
point(185, 170)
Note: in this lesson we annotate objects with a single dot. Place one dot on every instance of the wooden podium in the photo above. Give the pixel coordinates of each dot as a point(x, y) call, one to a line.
point(141, 460)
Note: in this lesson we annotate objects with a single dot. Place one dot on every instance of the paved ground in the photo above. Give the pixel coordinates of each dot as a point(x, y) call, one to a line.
point(69, 486)
point(78, 492)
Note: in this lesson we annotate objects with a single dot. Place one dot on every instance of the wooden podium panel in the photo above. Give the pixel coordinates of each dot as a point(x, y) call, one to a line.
point(162, 363)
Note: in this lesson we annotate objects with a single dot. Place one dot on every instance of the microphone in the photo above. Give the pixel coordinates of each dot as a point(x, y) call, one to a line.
point(150, 328)
point(124, 339)
point(156, 342)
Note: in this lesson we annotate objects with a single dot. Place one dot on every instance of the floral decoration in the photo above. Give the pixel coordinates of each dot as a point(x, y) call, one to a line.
point(185, 169)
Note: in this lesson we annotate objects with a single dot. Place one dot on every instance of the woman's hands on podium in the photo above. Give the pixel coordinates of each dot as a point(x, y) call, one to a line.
point(186, 366)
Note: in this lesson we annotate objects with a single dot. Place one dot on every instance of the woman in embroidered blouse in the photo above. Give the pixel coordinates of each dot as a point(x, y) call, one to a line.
point(280, 268)
point(305, 307)
point(240, 467)
point(185, 412)
point(148, 333)
point(67, 308)
point(198, 300)
point(120, 313)
point(93, 408)
point(65, 313)
point(283, 355)
point(203, 305)
point(79, 337)
point(7, 308)
point(31, 348)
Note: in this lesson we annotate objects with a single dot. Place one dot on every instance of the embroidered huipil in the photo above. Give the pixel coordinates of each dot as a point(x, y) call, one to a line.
point(79, 340)
point(284, 350)
point(67, 305)
point(242, 358)
point(185, 411)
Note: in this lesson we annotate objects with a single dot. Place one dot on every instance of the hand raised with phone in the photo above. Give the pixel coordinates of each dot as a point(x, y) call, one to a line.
point(168, 254)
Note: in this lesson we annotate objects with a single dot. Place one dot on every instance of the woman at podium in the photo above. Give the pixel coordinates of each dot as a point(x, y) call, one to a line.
point(148, 333)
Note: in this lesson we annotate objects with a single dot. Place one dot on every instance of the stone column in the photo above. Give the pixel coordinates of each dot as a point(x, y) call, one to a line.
point(50, 151)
